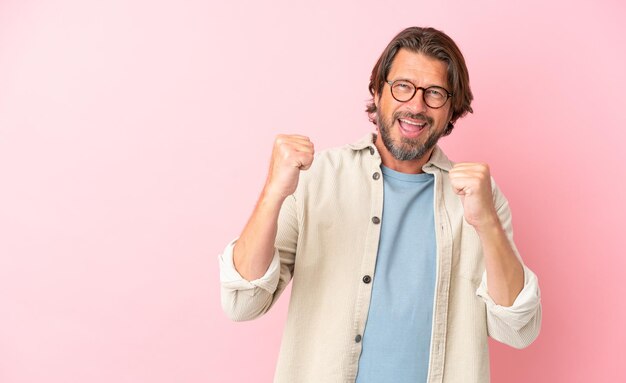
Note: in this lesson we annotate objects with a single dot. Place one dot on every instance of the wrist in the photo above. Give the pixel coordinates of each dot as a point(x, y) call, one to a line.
point(489, 226)
point(269, 196)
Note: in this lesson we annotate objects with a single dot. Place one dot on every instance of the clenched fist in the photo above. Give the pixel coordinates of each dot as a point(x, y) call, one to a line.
point(291, 154)
point(472, 182)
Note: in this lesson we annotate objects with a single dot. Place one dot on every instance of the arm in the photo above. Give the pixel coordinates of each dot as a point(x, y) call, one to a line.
point(254, 250)
point(509, 288)
point(518, 325)
point(505, 274)
point(256, 268)
point(245, 300)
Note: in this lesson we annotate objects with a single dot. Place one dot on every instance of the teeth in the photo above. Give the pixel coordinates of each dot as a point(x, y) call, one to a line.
point(413, 123)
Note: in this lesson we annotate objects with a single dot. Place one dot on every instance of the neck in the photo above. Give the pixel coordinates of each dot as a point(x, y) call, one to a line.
point(409, 166)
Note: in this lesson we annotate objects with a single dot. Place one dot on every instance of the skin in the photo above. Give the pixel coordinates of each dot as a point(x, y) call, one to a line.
point(254, 250)
point(291, 154)
point(423, 72)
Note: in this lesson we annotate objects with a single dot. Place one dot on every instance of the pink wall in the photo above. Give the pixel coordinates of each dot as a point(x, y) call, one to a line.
point(134, 136)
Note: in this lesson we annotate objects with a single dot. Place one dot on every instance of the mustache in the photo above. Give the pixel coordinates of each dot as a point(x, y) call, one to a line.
point(418, 117)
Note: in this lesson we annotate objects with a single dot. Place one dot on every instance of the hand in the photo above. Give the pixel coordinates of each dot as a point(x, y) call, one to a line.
point(291, 154)
point(472, 182)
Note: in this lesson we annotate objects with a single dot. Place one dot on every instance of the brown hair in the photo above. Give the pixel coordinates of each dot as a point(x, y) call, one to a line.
point(433, 43)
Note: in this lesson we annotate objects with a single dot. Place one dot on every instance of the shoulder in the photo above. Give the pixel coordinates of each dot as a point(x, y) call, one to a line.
point(345, 165)
point(350, 156)
point(335, 157)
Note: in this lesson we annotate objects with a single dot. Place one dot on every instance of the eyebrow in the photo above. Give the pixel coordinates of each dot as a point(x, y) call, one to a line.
point(413, 82)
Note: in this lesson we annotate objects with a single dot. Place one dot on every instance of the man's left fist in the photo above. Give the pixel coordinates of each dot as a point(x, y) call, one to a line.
point(472, 182)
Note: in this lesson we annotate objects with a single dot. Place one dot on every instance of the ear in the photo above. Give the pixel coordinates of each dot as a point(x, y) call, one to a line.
point(376, 100)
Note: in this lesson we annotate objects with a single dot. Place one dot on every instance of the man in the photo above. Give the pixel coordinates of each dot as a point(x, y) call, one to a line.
point(403, 263)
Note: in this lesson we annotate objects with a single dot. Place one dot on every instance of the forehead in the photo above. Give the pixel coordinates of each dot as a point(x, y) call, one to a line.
point(421, 69)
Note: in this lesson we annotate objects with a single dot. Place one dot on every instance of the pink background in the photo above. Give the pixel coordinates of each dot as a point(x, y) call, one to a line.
point(135, 135)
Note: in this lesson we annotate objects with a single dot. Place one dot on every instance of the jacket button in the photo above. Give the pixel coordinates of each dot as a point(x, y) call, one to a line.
point(376, 175)
point(371, 150)
point(376, 220)
point(357, 338)
point(367, 279)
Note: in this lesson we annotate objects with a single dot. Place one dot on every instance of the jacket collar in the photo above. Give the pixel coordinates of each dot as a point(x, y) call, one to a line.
point(437, 159)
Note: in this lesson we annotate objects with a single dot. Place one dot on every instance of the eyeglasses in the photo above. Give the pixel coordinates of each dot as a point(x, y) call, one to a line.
point(434, 96)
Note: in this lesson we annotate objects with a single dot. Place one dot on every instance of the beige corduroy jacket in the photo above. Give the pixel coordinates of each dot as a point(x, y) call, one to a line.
point(327, 242)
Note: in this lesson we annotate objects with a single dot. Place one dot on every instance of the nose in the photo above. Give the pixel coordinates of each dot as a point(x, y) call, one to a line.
point(417, 104)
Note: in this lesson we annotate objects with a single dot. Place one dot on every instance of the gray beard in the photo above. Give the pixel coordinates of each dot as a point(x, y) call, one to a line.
point(408, 149)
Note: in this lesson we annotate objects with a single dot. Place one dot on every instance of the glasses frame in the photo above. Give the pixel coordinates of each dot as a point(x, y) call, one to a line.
point(416, 88)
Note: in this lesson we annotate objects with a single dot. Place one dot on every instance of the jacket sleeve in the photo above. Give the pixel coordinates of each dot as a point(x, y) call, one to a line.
point(518, 325)
point(245, 300)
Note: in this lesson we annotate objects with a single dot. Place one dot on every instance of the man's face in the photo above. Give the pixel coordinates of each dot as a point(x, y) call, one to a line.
point(410, 130)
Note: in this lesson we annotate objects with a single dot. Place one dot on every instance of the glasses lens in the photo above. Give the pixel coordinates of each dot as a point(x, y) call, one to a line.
point(402, 90)
point(435, 96)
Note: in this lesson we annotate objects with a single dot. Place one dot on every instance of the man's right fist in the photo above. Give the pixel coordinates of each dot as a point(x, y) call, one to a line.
point(291, 154)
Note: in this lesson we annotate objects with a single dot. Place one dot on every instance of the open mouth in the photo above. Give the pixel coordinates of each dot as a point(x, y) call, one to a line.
point(411, 128)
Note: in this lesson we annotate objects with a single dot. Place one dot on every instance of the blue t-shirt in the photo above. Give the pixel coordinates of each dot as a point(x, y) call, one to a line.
point(396, 340)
